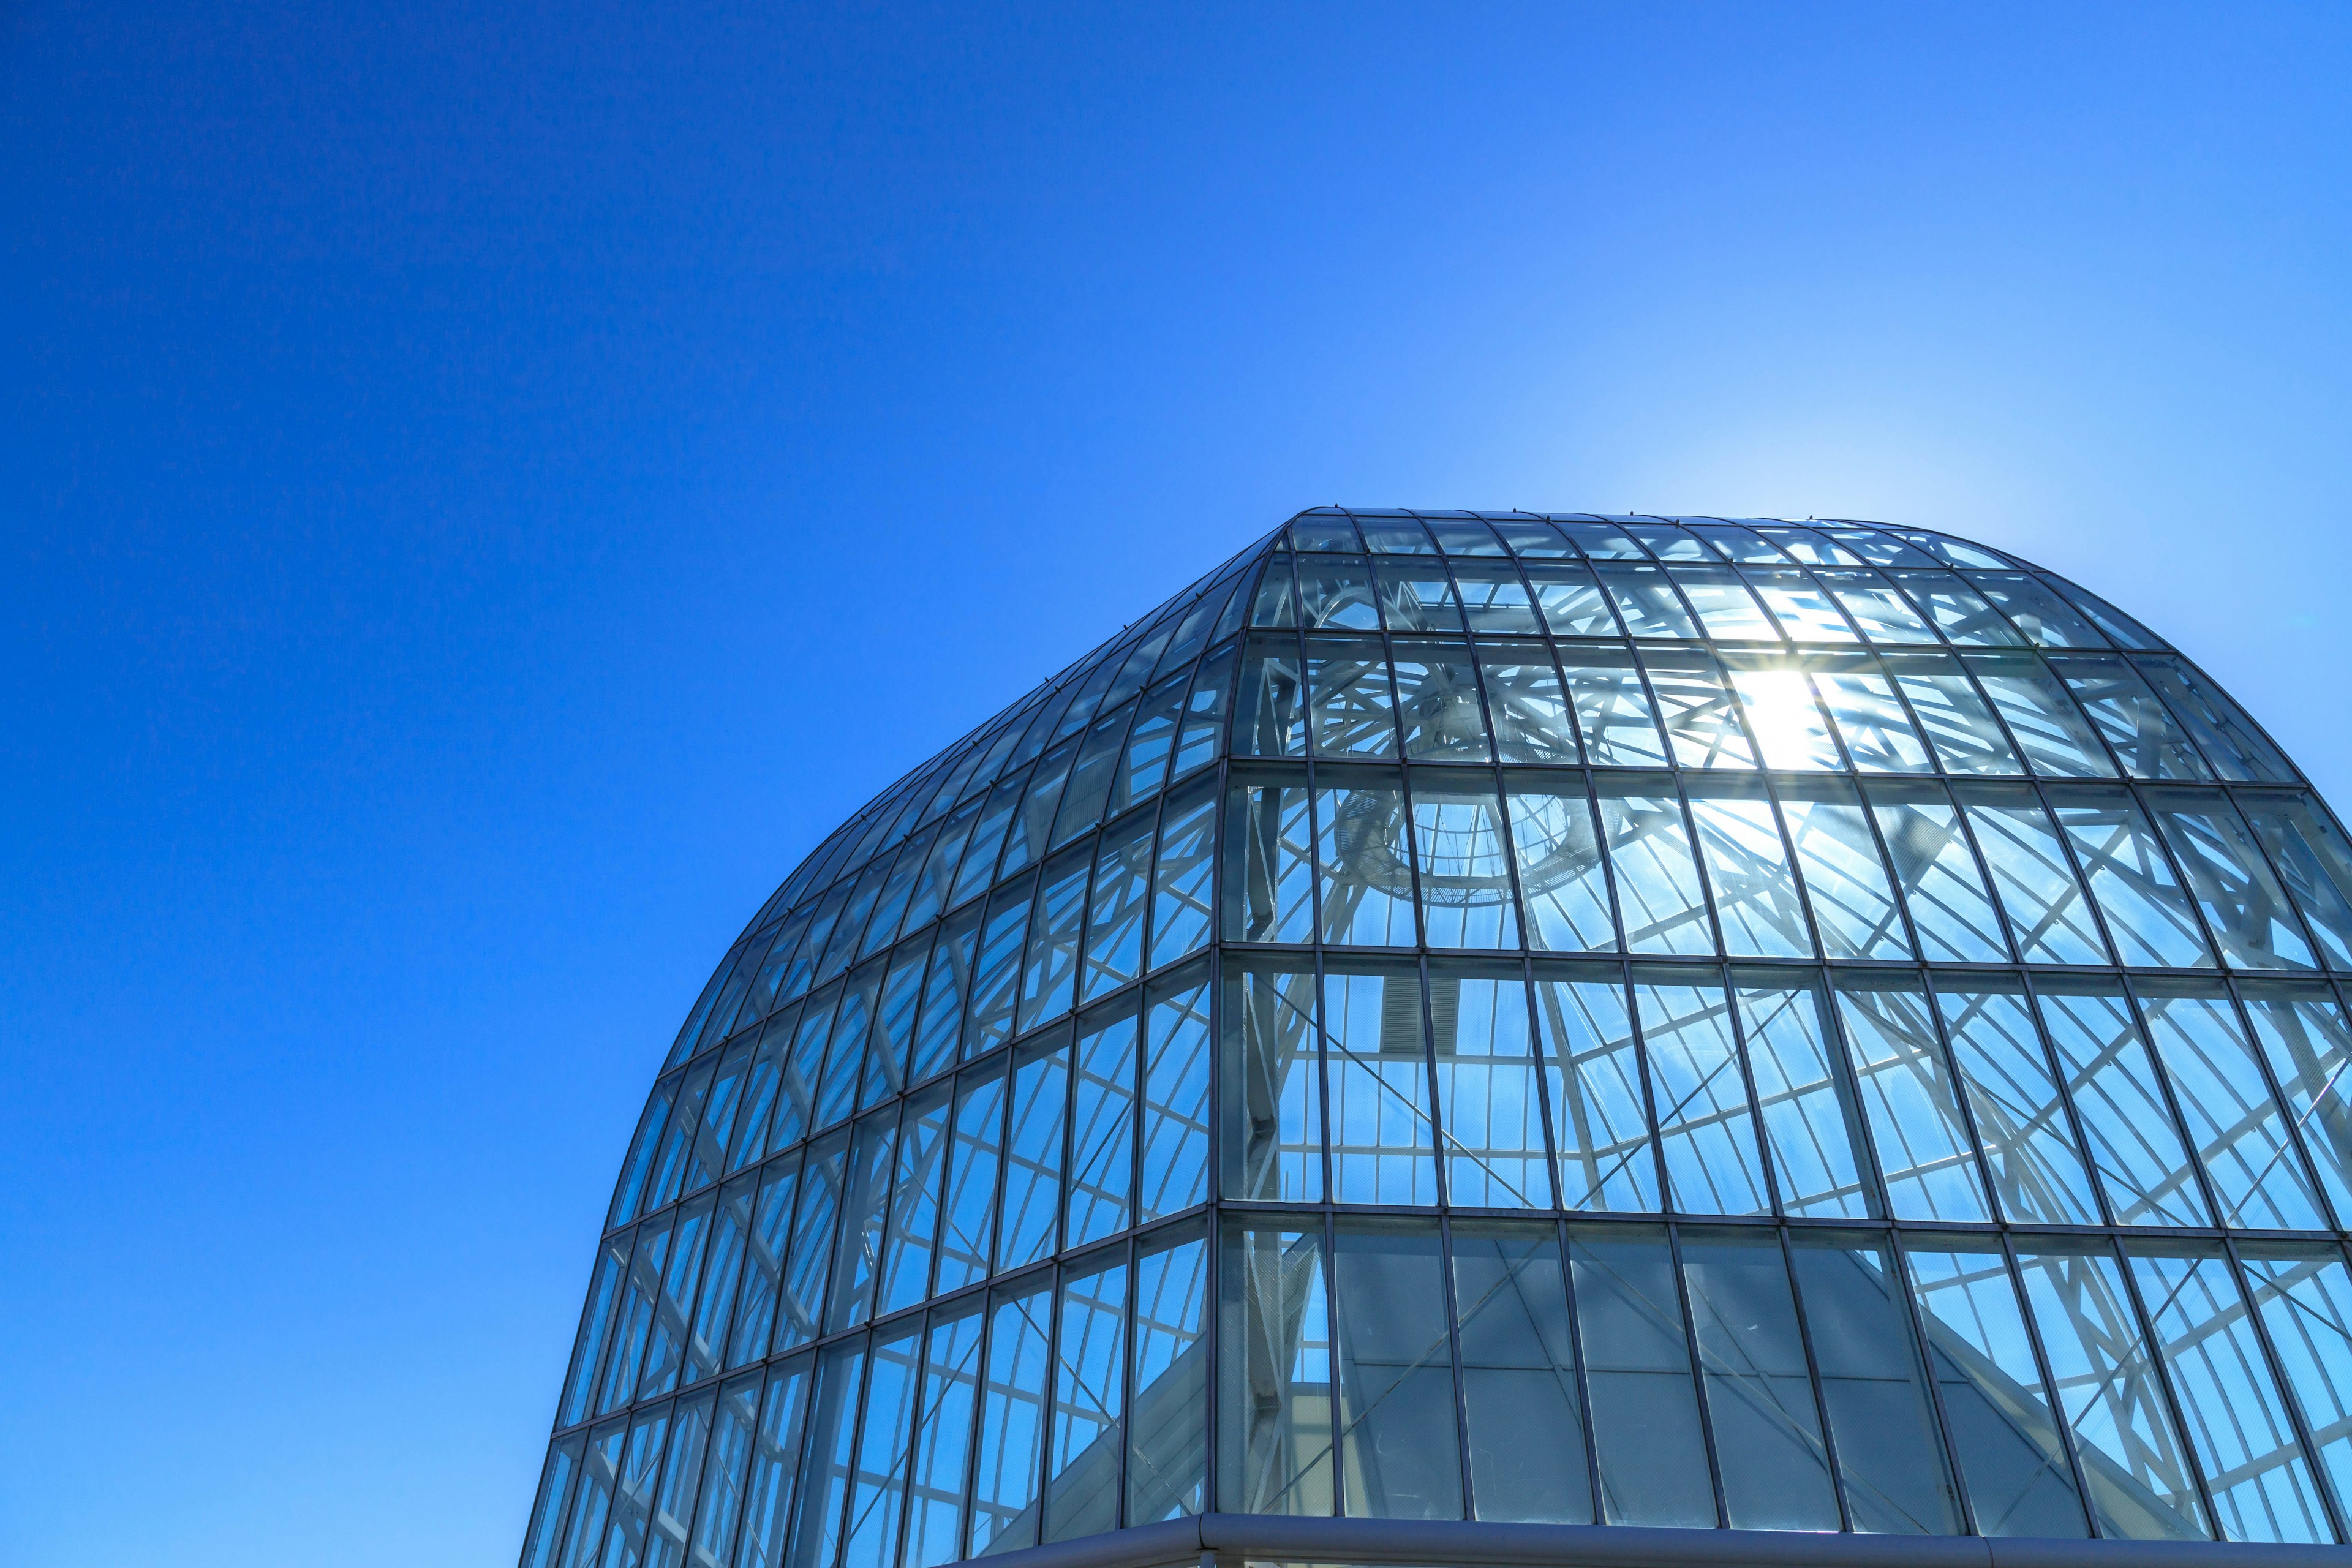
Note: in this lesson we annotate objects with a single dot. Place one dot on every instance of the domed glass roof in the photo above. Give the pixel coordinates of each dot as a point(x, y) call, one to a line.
point(1555, 1019)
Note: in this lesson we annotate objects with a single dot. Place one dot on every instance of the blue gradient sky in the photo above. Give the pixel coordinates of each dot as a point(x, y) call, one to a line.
point(488, 486)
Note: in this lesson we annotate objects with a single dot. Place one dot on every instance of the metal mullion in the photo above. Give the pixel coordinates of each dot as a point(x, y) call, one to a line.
point(1762, 1135)
point(1697, 1373)
point(2067, 1444)
point(1453, 1308)
point(2062, 1081)
point(856, 1433)
point(1874, 1192)
point(1314, 1026)
point(1901, 1284)
point(1813, 1376)
point(1561, 1238)
point(1649, 1087)
point(1330, 1264)
point(1438, 1134)
point(1543, 1069)
point(2328, 1502)
point(2163, 1375)
point(970, 1494)
point(1131, 1312)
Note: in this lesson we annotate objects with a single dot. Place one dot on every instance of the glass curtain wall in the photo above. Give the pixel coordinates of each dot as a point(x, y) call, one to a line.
point(1568, 1018)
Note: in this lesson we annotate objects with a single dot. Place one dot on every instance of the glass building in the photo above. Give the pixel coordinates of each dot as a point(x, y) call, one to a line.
point(1472, 1038)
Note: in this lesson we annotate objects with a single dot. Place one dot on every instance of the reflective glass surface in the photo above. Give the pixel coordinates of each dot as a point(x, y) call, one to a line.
point(1716, 1023)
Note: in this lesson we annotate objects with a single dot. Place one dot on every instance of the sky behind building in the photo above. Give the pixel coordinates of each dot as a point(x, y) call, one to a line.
point(489, 488)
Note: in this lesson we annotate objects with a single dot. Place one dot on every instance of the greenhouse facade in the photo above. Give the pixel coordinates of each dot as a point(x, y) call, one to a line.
point(1517, 1038)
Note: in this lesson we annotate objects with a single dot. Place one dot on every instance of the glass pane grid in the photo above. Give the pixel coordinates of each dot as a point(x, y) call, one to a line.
point(1831, 1027)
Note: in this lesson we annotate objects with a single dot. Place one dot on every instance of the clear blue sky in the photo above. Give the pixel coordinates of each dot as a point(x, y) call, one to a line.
point(484, 487)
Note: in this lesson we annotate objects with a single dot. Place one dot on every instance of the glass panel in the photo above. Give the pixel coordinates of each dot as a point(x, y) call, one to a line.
point(2235, 1126)
point(764, 1256)
point(2244, 906)
point(674, 1308)
point(1102, 1126)
point(1916, 1124)
point(1956, 609)
point(2141, 1161)
point(1175, 1097)
point(2147, 914)
point(1114, 916)
point(1561, 874)
point(1273, 1128)
point(2125, 631)
point(1168, 1437)
point(1647, 602)
point(634, 1324)
point(1530, 536)
point(2304, 1038)
point(1594, 1074)
point(1810, 1122)
point(1759, 1396)
point(1600, 540)
point(1876, 607)
point(1270, 715)
point(885, 1441)
point(923, 1141)
point(1049, 971)
point(760, 1093)
point(1518, 1376)
point(1874, 1387)
point(2047, 912)
point(1334, 593)
point(1570, 600)
point(2149, 740)
point(1182, 875)
point(1148, 745)
point(1204, 715)
point(1276, 604)
point(1877, 732)
point(714, 1312)
point(1416, 597)
point(2306, 1298)
point(802, 1306)
point(1645, 1423)
point(944, 992)
point(1938, 875)
point(1945, 703)
point(2228, 739)
point(1464, 864)
point(942, 1435)
point(1725, 605)
point(1845, 882)
point(2261, 1483)
point(825, 1479)
point(1352, 712)
point(1804, 611)
point(2311, 853)
point(1395, 1370)
point(1012, 1422)
point(1364, 864)
point(1275, 1433)
point(1486, 1090)
point(2003, 1423)
point(1613, 708)
point(968, 1240)
point(1705, 1127)
point(1493, 598)
point(1437, 703)
point(602, 1469)
point(1033, 1165)
point(1700, 717)
point(1755, 894)
point(2044, 619)
point(1376, 1084)
point(1089, 1400)
point(543, 1538)
point(596, 1329)
point(1529, 709)
point(1788, 725)
point(1657, 880)
point(1323, 530)
point(2021, 1125)
point(893, 1033)
point(735, 1434)
point(2052, 732)
point(996, 974)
